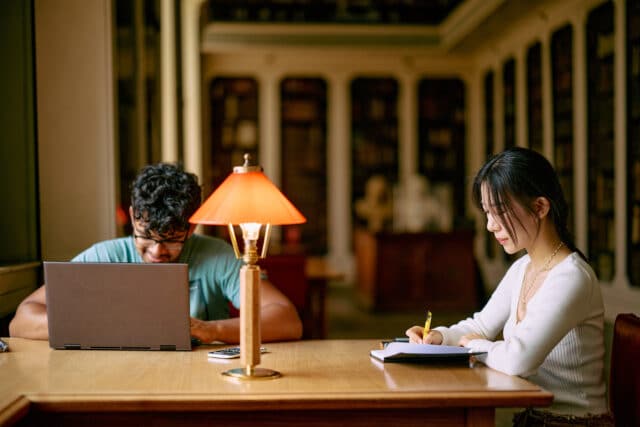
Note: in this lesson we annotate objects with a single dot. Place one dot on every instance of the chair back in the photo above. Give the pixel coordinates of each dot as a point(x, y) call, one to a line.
point(624, 380)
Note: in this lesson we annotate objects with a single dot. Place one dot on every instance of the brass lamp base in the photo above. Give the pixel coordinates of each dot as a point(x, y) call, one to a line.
point(252, 374)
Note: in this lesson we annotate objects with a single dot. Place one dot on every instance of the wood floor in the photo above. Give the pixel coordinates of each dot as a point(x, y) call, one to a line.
point(348, 319)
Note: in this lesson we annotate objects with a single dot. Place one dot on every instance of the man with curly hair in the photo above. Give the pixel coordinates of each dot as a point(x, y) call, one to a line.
point(163, 198)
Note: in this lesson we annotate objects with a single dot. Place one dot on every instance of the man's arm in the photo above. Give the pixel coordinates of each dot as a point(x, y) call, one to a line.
point(279, 317)
point(30, 320)
point(279, 321)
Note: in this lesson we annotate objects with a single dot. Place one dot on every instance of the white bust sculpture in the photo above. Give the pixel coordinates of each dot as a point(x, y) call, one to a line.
point(376, 207)
point(418, 207)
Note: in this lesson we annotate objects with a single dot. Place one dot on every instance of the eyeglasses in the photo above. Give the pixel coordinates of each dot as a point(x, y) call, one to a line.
point(169, 244)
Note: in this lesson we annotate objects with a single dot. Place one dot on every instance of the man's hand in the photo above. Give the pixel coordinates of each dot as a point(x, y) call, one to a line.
point(201, 330)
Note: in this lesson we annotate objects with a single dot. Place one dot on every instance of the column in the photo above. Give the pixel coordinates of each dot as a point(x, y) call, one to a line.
point(407, 128)
point(269, 126)
point(620, 142)
point(339, 174)
point(168, 82)
point(547, 98)
point(190, 19)
point(580, 128)
point(522, 122)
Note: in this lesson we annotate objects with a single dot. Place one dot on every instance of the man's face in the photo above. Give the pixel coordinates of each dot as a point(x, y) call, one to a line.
point(153, 247)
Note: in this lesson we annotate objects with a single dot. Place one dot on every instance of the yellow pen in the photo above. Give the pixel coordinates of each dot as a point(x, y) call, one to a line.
point(427, 324)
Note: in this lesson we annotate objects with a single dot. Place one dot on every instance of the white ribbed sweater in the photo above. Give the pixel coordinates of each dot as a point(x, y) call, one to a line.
point(559, 344)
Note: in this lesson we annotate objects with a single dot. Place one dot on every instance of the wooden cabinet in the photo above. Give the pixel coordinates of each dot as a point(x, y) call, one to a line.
point(397, 271)
point(600, 140)
point(633, 141)
point(562, 90)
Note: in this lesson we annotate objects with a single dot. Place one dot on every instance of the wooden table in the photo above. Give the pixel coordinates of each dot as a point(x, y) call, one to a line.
point(324, 382)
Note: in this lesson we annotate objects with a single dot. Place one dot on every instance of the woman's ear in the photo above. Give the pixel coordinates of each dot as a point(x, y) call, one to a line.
point(541, 207)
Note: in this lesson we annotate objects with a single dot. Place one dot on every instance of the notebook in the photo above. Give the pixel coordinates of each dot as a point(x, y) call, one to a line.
point(116, 306)
point(406, 352)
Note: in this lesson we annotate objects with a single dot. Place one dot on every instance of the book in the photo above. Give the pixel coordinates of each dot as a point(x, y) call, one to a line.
point(407, 352)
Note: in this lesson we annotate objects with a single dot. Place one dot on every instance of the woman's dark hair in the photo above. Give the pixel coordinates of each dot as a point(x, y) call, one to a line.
point(522, 175)
point(163, 198)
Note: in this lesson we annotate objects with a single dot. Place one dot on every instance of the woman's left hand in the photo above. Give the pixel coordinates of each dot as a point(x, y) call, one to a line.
point(465, 339)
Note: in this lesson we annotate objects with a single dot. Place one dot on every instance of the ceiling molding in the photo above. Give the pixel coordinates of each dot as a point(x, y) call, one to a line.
point(469, 24)
point(222, 36)
point(465, 19)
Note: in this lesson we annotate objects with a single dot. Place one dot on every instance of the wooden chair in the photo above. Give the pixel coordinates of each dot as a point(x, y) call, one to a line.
point(624, 380)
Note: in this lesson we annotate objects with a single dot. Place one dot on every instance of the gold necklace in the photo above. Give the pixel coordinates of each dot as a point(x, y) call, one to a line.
point(525, 295)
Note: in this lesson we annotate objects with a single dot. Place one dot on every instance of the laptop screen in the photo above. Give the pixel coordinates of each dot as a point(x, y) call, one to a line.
point(117, 306)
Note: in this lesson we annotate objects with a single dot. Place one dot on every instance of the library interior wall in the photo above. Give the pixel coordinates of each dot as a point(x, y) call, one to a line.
point(618, 294)
point(339, 66)
point(77, 203)
point(74, 80)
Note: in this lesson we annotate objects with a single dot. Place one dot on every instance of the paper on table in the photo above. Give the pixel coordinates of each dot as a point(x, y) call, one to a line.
point(406, 352)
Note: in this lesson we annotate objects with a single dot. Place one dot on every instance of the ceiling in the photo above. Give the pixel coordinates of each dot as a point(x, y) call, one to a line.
point(392, 12)
point(444, 26)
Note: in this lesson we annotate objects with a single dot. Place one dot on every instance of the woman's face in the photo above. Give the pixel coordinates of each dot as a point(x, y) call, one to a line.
point(523, 223)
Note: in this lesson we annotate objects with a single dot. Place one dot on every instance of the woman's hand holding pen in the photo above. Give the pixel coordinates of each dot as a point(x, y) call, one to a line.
point(416, 336)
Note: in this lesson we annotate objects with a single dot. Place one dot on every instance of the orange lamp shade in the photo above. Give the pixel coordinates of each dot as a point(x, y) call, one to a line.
point(246, 197)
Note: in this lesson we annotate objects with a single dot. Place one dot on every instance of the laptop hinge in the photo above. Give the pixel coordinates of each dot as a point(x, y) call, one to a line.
point(165, 347)
point(72, 347)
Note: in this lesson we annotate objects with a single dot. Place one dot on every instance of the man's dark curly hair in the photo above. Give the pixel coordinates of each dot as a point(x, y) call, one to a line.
point(164, 197)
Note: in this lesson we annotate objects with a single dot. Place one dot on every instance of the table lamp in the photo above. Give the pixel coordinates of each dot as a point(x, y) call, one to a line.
point(249, 199)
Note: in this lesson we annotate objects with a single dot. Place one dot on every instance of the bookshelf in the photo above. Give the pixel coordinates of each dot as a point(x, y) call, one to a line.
point(441, 136)
point(234, 131)
point(374, 132)
point(304, 157)
point(234, 125)
point(491, 246)
point(534, 96)
point(562, 92)
point(633, 147)
point(600, 62)
point(509, 94)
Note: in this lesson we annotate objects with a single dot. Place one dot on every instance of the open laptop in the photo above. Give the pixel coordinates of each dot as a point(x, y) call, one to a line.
point(116, 306)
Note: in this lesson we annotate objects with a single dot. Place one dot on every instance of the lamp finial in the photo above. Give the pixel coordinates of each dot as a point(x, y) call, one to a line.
point(247, 167)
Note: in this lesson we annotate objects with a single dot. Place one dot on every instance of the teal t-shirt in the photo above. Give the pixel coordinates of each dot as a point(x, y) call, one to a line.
point(213, 271)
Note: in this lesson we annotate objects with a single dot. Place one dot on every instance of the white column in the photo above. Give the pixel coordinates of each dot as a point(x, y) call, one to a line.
point(498, 108)
point(580, 129)
point(269, 130)
point(522, 124)
point(141, 82)
point(339, 175)
point(620, 142)
point(168, 107)
point(76, 143)
point(547, 98)
point(407, 127)
point(190, 19)
point(269, 123)
point(475, 148)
